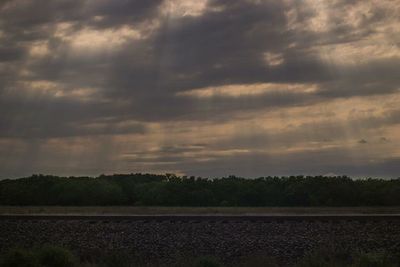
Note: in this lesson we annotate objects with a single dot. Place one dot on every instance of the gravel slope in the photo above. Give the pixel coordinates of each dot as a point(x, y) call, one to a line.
point(228, 239)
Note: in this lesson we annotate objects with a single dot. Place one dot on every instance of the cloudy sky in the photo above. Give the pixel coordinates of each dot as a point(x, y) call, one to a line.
point(205, 87)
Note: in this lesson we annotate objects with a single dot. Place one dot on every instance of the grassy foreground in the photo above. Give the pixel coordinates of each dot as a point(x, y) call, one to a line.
point(134, 210)
point(52, 256)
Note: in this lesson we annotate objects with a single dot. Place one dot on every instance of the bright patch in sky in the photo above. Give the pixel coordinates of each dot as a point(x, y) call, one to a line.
point(209, 87)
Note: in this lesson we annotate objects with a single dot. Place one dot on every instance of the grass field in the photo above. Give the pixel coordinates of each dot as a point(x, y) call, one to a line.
point(131, 210)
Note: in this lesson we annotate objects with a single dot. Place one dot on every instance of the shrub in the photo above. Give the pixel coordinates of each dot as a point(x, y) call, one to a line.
point(326, 258)
point(19, 258)
point(258, 261)
point(119, 259)
point(373, 260)
point(207, 262)
point(50, 256)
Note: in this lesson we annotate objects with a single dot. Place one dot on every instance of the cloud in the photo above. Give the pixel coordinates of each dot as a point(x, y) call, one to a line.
point(156, 75)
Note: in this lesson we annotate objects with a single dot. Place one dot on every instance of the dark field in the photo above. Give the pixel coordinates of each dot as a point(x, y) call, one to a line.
point(230, 240)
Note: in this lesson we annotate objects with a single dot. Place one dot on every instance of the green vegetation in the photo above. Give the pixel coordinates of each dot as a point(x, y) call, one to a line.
point(170, 190)
point(19, 257)
point(332, 258)
point(47, 256)
point(50, 256)
point(207, 262)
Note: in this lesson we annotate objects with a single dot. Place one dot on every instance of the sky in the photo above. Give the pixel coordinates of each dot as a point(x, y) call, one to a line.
point(207, 88)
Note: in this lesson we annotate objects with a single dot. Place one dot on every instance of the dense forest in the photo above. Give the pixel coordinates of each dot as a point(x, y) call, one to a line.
point(171, 190)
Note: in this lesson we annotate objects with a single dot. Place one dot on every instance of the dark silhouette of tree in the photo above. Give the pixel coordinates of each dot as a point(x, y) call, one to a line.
point(171, 190)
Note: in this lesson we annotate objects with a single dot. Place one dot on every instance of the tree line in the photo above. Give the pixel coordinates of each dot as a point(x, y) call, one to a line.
point(170, 190)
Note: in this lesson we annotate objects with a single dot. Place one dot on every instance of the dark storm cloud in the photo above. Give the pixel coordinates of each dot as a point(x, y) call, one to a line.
point(255, 164)
point(115, 13)
point(30, 14)
point(220, 47)
point(74, 118)
point(376, 77)
point(10, 53)
point(103, 67)
point(41, 128)
point(217, 48)
point(325, 132)
point(32, 115)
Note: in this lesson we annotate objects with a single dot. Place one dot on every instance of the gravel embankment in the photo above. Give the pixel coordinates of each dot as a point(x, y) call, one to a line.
point(226, 239)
